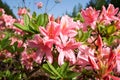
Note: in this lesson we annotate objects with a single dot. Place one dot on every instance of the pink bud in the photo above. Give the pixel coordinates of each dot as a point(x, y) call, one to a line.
point(39, 4)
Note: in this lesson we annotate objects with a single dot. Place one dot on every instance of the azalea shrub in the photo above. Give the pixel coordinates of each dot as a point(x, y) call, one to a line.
point(41, 47)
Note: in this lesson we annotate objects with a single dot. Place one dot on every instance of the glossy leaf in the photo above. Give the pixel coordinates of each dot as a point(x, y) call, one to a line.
point(53, 69)
point(111, 29)
point(26, 20)
point(47, 69)
point(21, 26)
point(64, 68)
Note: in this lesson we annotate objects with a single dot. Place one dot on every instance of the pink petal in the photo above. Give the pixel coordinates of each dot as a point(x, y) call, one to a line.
point(61, 57)
point(93, 63)
point(39, 56)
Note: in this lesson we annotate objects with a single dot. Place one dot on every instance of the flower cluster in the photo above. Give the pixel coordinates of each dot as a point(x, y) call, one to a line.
point(87, 47)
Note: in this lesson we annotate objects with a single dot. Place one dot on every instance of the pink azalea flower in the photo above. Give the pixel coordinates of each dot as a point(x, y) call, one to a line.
point(5, 54)
point(68, 26)
point(117, 51)
point(27, 60)
point(42, 49)
point(66, 51)
point(22, 11)
point(13, 40)
point(9, 20)
point(99, 43)
point(39, 4)
point(2, 11)
point(93, 63)
point(108, 15)
point(51, 18)
point(104, 64)
point(51, 33)
point(83, 54)
point(90, 16)
point(58, 20)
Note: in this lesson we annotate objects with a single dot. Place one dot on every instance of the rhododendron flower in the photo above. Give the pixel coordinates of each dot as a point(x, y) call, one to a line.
point(2, 11)
point(106, 65)
point(22, 11)
point(39, 4)
point(51, 18)
point(51, 33)
point(20, 42)
point(68, 27)
point(42, 49)
point(66, 51)
point(83, 54)
point(108, 15)
point(117, 51)
point(99, 43)
point(27, 60)
point(9, 20)
point(90, 16)
point(1, 23)
point(5, 54)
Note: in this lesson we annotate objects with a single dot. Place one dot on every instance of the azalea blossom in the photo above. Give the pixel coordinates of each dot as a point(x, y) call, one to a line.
point(105, 62)
point(117, 51)
point(9, 20)
point(68, 27)
point(51, 33)
point(108, 15)
point(22, 11)
point(42, 49)
point(27, 60)
point(83, 54)
point(39, 4)
point(2, 11)
point(66, 51)
point(90, 16)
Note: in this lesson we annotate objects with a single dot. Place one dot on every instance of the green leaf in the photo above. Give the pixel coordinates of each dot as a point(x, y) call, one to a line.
point(20, 26)
point(83, 36)
point(34, 15)
point(64, 68)
point(71, 74)
point(19, 50)
point(79, 17)
point(109, 40)
point(53, 69)
point(47, 69)
point(40, 20)
point(5, 42)
point(24, 28)
point(45, 19)
point(34, 27)
point(7, 73)
point(26, 20)
point(79, 35)
point(111, 29)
